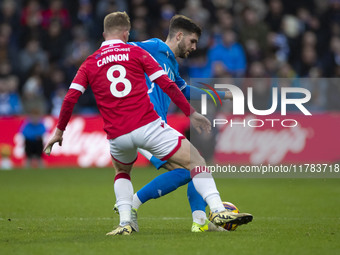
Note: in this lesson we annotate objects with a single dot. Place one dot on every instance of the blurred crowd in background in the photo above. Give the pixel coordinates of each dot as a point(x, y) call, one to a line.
point(43, 43)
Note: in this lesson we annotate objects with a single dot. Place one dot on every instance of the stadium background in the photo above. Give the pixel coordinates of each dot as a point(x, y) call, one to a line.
point(42, 43)
point(68, 210)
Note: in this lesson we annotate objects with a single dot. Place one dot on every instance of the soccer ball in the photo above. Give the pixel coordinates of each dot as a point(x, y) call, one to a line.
point(232, 208)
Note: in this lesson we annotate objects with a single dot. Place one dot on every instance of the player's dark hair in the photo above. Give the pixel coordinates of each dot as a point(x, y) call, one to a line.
point(116, 21)
point(181, 22)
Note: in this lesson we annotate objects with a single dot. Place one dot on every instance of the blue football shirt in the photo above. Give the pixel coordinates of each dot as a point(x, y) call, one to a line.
point(165, 57)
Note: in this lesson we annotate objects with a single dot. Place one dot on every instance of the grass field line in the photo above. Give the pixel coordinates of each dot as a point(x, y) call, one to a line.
point(91, 219)
point(153, 218)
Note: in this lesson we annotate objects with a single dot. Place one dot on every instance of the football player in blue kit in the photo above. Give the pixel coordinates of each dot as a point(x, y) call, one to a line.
point(181, 41)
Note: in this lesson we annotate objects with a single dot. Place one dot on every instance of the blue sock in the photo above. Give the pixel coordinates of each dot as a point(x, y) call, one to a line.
point(195, 199)
point(164, 184)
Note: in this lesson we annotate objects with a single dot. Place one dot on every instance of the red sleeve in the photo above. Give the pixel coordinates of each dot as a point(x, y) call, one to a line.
point(171, 89)
point(81, 80)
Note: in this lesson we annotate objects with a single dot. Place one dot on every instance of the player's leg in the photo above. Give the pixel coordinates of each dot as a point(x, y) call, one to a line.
point(188, 157)
point(198, 205)
point(124, 191)
point(162, 184)
point(40, 147)
point(168, 182)
point(124, 154)
point(29, 153)
point(167, 144)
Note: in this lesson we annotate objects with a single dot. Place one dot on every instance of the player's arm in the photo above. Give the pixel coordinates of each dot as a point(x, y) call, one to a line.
point(191, 92)
point(76, 89)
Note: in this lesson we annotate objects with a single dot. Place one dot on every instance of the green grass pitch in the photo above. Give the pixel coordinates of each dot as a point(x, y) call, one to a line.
point(68, 211)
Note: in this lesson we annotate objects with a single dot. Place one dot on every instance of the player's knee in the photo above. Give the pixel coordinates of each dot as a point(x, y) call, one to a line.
point(120, 168)
point(196, 160)
point(182, 176)
point(201, 161)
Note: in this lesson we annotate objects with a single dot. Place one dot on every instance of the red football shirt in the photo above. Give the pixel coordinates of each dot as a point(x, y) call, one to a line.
point(115, 73)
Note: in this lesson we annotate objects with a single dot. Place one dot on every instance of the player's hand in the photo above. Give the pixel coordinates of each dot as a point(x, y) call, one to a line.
point(200, 123)
point(57, 138)
point(228, 95)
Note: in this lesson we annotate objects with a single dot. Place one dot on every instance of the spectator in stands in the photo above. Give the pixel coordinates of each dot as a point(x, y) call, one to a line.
point(54, 41)
point(272, 65)
point(10, 103)
point(253, 51)
point(12, 83)
point(277, 44)
point(33, 97)
point(259, 7)
point(307, 62)
point(139, 30)
point(229, 53)
point(8, 47)
point(78, 49)
point(291, 29)
point(9, 14)
point(261, 84)
point(252, 28)
point(275, 15)
point(104, 7)
point(31, 21)
point(198, 65)
point(85, 16)
point(57, 100)
point(5, 105)
point(318, 87)
point(196, 11)
point(333, 92)
point(54, 89)
point(32, 54)
point(331, 60)
point(56, 11)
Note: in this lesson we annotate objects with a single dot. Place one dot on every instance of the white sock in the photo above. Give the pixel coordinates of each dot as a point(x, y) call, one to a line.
point(205, 185)
point(124, 214)
point(215, 203)
point(199, 217)
point(124, 192)
point(136, 203)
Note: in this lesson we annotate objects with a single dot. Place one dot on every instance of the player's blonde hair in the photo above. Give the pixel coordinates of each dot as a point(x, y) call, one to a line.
point(116, 22)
